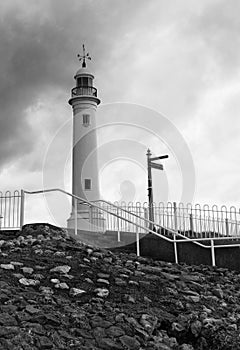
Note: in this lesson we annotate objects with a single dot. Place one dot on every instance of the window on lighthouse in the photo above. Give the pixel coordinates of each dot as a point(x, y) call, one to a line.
point(86, 119)
point(87, 184)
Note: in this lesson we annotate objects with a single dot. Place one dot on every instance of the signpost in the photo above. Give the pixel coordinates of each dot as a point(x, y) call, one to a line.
point(150, 191)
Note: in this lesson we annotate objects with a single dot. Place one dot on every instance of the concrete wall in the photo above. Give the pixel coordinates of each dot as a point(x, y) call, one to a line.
point(189, 253)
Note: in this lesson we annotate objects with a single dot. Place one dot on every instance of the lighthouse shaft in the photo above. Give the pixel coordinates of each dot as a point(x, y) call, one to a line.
point(84, 101)
point(85, 182)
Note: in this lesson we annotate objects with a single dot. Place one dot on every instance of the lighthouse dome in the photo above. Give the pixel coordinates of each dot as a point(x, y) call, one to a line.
point(83, 71)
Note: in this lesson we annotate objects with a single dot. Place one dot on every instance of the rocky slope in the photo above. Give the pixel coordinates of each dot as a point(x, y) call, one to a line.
point(60, 294)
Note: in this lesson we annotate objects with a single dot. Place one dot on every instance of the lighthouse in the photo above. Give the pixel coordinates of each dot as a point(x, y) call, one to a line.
point(85, 182)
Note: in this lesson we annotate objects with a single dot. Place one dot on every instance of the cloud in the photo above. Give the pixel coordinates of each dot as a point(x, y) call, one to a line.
point(179, 58)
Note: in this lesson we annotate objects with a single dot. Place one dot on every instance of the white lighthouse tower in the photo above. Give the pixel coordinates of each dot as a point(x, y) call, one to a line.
point(85, 182)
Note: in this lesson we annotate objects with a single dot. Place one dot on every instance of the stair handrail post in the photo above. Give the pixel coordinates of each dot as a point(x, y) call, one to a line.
point(22, 209)
point(118, 226)
point(137, 241)
point(174, 235)
point(191, 224)
point(90, 217)
point(213, 253)
point(75, 216)
point(227, 226)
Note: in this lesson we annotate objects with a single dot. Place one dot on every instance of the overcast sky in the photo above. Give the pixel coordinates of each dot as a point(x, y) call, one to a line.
point(166, 71)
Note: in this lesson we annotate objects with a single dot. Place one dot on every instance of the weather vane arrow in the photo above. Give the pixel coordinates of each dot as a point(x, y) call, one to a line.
point(83, 57)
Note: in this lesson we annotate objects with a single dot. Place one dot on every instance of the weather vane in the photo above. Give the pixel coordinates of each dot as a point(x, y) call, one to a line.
point(84, 57)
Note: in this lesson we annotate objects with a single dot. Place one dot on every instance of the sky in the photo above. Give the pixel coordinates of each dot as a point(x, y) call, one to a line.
point(167, 74)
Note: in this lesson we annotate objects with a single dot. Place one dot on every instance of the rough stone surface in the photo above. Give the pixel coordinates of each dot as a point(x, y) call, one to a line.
point(109, 301)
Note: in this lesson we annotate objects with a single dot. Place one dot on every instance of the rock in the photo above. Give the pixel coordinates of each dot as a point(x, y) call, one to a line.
point(120, 282)
point(114, 331)
point(76, 292)
point(192, 298)
point(7, 266)
point(55, 280)
point(61, 285)
point(210, 322)
point(103, 281)
point(27, 270)
point(109, 344)
point(153, 304)
point(129, 298)
point(218, 292)
point(29, 282)
point(102, 292)
point(147, 300)
point(196, 328)
point(16, 263)
point(133, 283)
point(31, 309)
point(148, 322)
point(7, 320)
point(88, 280)
point(130, 342)
point(45, 343)
point(61, 269)
point(186, 347)
point(103, 275)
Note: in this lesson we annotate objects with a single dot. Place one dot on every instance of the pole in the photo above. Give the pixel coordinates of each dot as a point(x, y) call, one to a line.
point(75, 216)
point(213, 253)
point(137, 242)
point(150, 192)
point(22, 209)
point(174, 235)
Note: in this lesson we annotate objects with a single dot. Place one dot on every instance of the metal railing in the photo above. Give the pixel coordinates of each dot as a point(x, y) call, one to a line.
point(189, 220)
point(84, 90)
point(10, 204)
point(199, 221)
point(136, 213)
point(133, 217)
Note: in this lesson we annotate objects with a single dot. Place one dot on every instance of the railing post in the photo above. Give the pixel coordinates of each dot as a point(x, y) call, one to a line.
point(213, 253)
point(90, 218)
point(75, 217)
point(118, 227)
point(191, 225)
point(22, 209)
point(227, 227)
point(137, 241)
point(175, 215)
point(174, 235)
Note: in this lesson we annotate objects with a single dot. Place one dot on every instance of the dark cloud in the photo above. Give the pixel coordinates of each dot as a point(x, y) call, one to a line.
point(38, 47)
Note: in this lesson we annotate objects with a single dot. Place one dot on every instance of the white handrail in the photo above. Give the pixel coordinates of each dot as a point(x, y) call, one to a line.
point(85, 201)
point(134, 214)
point(183, 238)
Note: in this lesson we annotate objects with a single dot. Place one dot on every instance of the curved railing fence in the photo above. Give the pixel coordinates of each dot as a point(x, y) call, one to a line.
point(189, 220)
point(201, 225)
point(10, 205)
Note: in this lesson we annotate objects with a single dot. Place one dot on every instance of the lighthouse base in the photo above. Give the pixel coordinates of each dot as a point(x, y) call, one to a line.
point(87, 221)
